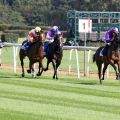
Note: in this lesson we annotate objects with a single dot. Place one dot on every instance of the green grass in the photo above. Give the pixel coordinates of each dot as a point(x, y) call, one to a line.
point(43, 98)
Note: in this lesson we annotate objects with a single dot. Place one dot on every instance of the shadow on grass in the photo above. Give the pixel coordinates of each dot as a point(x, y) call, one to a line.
point(84, 83)
point(5, 76)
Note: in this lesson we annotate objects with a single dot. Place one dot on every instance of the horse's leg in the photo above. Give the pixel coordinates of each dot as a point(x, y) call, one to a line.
point(99, 65)
point(55, 69)
point(57, 65)
point(41, 62)
point(103, 72)
point(48, 62)
point(22, 65)
point(22, 56)
point(29, 70)
point(39, 73)
point(32, 68)
point(115, 68)
point(41, 69)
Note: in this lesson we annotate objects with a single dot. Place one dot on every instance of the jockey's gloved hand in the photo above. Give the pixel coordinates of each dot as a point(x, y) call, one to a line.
point(108, 44)
point(51, 40)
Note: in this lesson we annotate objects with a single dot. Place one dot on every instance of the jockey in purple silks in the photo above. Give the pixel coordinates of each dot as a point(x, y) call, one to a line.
point(111, 34)
point(109, 37)
point(50, 36)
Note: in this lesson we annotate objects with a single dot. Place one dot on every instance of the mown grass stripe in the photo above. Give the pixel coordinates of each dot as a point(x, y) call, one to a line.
point(17, 115)
point(61, 94)
point(63, 102)
point(55, 110)
point(106, 91)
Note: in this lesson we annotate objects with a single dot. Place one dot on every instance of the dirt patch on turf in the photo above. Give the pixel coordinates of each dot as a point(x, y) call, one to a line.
point(60, 72)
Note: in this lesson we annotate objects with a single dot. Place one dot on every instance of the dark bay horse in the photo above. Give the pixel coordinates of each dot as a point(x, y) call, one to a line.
point(112, 57)
point(35, 54)
point(54, 54)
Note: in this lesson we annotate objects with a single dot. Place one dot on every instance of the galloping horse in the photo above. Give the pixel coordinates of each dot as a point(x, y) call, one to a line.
point(112, 57)
point(35, 54)
point(54, 54)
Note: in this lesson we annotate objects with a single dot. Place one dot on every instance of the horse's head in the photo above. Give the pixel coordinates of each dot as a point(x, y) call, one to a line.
point(115, 41)
point(58, 42)
point(40, 37)
point(58, 39)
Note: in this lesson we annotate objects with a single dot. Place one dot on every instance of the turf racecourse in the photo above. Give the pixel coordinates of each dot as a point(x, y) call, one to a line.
point(66, 99)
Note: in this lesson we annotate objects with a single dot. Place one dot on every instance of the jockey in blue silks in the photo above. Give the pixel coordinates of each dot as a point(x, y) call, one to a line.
point(109, 37)
point(50, 36)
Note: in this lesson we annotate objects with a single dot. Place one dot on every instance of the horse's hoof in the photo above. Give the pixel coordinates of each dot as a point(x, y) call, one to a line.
point(23, 75)
point(117, 78)
point(28, 71)
point(38, 74)
point(45, 69)
point(102, 78)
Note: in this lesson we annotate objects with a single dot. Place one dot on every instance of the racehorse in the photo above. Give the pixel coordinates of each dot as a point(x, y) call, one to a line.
point(54, 54)
point(34, 53)
point(112, 57)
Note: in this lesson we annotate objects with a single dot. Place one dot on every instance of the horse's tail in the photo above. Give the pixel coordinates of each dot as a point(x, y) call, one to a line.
point(93, 57)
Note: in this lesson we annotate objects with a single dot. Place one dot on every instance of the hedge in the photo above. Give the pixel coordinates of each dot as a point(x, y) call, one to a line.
point(4, 27)
point(9, 37)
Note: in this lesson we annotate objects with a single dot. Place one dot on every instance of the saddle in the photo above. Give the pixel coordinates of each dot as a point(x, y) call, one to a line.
point(27, 44)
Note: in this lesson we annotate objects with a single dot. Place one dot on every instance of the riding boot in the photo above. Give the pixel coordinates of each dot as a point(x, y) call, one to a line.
point(45, 48)
point(105, 50)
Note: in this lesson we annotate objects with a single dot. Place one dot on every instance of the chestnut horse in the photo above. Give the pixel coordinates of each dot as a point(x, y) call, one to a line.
point(112, 57)
point(34, 53)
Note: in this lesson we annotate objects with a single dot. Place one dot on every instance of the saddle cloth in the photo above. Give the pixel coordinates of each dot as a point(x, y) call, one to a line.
point(101, 52)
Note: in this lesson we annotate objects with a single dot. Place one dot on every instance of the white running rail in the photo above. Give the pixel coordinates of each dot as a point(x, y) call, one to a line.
point(71, 48)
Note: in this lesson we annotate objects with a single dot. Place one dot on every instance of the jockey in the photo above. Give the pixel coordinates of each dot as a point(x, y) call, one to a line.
point(34, 34)
point(51, 33)
point(50, 36)
point(32, 37)
point(110, 35)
